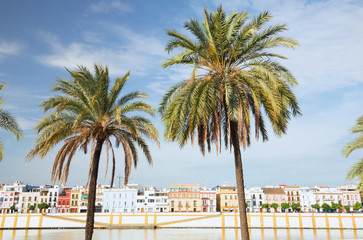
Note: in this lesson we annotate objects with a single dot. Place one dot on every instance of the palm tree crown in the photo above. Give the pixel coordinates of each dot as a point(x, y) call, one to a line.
point(234, 78)
point(357, 143)
point(89, 110)
point(8, 122)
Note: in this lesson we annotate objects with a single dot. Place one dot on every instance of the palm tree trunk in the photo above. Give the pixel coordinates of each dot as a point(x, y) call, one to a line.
point(113, 172)
point(239, 180)
point(92, 191)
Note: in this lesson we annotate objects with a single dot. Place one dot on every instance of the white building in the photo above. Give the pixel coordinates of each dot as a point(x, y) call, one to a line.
point(350, 195)
point(119, 200)
point(328, 195)
point(53, 193)
point(9, 196)
point(151, 199)
point(28, 199)
point(307, 198)
point(256, 198)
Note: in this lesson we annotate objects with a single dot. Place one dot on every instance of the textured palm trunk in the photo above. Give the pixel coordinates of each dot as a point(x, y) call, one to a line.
point(113, 173)
point(240, 181)
point(92, 191)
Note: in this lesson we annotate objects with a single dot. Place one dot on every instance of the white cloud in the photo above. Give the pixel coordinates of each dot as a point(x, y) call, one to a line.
point(9, 48)
point(329, 33)
point(133, 52)
point(27, 123)
point(107, 6)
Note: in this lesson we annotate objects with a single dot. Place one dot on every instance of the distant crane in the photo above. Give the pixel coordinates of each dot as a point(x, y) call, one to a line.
point(119, 180)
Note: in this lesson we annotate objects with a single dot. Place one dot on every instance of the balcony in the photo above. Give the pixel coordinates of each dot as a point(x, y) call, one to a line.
point(84, 196)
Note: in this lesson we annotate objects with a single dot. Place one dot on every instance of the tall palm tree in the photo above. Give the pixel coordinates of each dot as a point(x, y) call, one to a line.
point(8, 122)
point(88, 111)
point(234, 78)
point(357, 143)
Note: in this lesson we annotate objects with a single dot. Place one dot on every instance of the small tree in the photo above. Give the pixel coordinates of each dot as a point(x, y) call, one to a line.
point(274, 206)
point(357, 206)
point(266, 206)
point(326, 207)
point(347, 208)
point(336, 206)
point(12, 209)
point(31, 208)
point(42, 206)
point(285, 206)
point(295, 207)
point(316, 206)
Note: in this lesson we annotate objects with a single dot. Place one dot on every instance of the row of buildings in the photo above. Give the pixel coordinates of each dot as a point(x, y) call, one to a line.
point(178, 198)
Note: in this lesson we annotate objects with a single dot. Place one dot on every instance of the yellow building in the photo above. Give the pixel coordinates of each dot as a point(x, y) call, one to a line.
point(227, 200)
point(75, 196)
point(185, 198)
point(83, 200)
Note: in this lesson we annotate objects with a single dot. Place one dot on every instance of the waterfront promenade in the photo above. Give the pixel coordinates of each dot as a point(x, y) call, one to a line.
point(345, 221)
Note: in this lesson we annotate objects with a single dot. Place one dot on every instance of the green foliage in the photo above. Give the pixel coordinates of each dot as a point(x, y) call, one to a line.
point(357, 143)
point(31, 207)
point(43, 205)
point(274, 205)
point(357, 206)
point(295, 206)
point(265, 205)
point(89, 110)
point(316, 206)
point(235, 78)
point(326, 206)
point(336, 206)
point(12, 208)
point(285, 205)
point(347, 208)
point(8, 123)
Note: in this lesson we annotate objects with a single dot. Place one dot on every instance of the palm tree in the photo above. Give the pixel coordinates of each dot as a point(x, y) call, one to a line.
point(357, 143)
point(234, 78)
point(8, 122)
point(90, 112)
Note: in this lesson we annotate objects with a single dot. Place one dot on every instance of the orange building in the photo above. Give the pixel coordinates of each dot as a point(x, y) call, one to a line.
point(184, 198)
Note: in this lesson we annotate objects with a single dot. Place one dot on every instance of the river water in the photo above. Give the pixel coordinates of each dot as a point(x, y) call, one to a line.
point(181, 234)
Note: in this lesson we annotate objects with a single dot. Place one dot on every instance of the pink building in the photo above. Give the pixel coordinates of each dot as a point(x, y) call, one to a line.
point(274, 195)
point(209, 200)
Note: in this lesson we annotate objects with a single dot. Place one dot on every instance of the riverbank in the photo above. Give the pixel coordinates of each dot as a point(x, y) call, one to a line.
point(183, 220)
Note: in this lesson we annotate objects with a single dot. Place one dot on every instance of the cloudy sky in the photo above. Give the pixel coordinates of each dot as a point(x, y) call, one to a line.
point(39, 38)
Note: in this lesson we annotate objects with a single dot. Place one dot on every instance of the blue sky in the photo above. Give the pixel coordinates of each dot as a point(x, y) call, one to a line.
point(39, 38)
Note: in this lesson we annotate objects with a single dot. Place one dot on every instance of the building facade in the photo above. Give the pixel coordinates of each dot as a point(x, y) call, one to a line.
point(227, 200)
point(64, 201)
point(209, 200)
point(28, 199)
point(119, 200)
point(274, 195)
point(184, 198)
